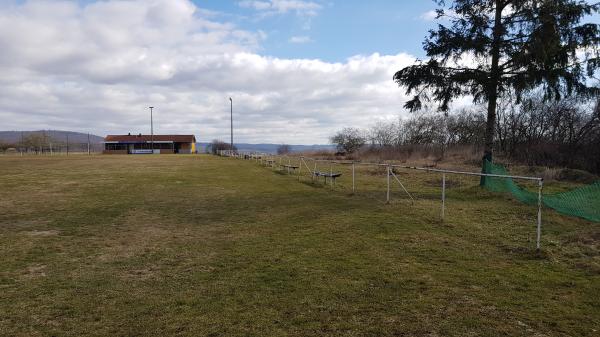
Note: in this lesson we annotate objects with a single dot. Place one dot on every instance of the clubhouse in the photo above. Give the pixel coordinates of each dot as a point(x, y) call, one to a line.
point(147, 144)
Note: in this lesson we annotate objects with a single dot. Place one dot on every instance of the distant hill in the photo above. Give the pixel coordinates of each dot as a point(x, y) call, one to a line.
point(271, 148)
point(14, 137)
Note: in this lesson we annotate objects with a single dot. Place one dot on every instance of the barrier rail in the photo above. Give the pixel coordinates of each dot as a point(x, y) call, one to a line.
point(260, 156)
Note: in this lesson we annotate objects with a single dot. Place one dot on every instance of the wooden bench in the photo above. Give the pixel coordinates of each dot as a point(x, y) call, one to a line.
point(325, 175)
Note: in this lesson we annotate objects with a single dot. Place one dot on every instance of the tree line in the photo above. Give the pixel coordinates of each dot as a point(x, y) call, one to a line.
point(534, 132)
point(41, 143)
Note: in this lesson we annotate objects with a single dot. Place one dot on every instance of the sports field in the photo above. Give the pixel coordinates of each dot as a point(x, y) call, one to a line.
point(211, 246)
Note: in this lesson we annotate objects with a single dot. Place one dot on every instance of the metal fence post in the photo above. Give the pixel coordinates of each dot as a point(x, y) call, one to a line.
point(388, 184)
point(539, 217)
point(443, 194)
point(353, 189)
point(331, 173)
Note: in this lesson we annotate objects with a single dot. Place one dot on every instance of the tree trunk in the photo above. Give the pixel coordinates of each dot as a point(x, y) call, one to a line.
point(492, 91)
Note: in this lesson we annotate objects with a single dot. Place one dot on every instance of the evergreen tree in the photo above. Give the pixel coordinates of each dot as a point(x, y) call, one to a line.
point(495, 47)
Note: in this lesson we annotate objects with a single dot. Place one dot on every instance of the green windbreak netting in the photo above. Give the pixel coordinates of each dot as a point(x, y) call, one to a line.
point(583, 202)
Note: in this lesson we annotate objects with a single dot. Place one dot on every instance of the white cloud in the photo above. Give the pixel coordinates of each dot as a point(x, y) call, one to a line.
point(429, 16)
point(96, 68)
point(306, 8)
point(300, 39)
point(432, 15)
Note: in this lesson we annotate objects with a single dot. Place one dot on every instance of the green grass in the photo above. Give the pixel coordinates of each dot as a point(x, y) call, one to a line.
point(208, 246)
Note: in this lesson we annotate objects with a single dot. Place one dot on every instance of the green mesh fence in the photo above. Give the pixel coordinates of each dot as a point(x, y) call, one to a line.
point(583, 202)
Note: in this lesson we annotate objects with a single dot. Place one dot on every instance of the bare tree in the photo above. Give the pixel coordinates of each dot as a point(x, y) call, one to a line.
point(348, 140)
point(218, 145)
point(284, 149)
point(383, 134)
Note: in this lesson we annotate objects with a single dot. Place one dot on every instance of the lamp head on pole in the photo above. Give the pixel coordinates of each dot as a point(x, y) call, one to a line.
point(230, 99)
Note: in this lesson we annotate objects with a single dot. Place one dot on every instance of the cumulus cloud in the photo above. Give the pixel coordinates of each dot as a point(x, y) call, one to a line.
point(97, 67)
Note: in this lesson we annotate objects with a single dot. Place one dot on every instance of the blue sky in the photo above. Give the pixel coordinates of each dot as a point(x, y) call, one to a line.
point(339, 29)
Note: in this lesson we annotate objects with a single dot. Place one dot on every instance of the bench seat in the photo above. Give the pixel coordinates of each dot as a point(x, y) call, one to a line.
point(327, 174)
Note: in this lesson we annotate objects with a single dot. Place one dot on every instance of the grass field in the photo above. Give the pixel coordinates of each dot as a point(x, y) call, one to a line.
point(209, 246)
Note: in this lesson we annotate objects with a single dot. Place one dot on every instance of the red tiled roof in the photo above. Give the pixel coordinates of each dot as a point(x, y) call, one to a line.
point(147, 138)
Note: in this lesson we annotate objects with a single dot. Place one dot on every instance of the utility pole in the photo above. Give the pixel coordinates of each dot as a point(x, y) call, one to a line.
point(151, 130)
point(67, 144)
point(88, 143)
point(231, 101)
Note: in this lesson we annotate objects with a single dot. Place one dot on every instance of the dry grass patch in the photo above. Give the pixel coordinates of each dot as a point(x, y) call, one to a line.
point(50, 232)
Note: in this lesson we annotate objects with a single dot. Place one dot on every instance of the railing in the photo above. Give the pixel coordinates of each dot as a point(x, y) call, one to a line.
point(270, 159)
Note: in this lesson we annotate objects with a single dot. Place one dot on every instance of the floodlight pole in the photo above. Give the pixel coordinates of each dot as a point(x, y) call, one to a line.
point(151, 130)
point(231, 106)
